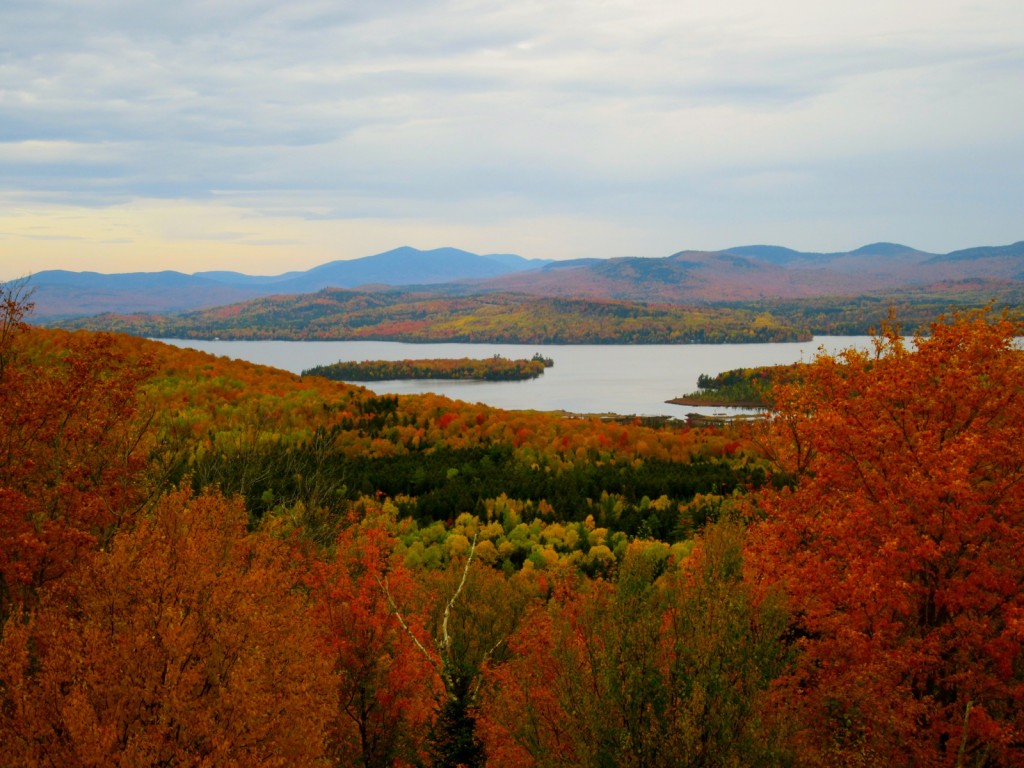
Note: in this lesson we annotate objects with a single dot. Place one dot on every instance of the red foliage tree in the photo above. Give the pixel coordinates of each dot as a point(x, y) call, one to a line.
point(900, 544)
point(71, 448)
point(386, 696)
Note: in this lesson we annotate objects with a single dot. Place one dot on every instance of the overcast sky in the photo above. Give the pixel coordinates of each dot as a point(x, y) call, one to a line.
point(269, 135)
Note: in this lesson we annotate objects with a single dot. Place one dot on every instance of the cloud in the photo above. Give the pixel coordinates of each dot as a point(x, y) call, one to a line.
point(473, 114)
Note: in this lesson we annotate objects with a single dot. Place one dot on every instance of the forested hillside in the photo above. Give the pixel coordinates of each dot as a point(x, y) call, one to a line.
point(204, 561)
point(512, 318)
point(494, 318)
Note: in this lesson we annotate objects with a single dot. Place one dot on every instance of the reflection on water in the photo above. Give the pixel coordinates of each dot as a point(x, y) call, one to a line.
point(621, 379)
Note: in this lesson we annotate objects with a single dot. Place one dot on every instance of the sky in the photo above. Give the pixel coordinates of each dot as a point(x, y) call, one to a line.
point(265, 136)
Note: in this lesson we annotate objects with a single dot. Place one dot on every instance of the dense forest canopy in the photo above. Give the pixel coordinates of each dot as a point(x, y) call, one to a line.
point(204, 561)
point(491, 318)
point(482, 317)
point(739, 387)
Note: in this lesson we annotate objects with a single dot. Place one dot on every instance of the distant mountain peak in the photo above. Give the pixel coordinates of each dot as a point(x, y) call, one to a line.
point(63, 293)
point(883, 249)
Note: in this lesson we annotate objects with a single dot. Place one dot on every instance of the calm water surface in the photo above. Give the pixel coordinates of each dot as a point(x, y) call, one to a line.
point(622, 379)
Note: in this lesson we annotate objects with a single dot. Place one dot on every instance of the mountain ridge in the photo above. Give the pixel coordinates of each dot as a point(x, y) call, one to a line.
point(741, 273)
point(64, 294)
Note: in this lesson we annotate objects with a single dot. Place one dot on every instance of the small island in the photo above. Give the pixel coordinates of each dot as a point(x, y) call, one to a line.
point(495, 368)
point(738, 388)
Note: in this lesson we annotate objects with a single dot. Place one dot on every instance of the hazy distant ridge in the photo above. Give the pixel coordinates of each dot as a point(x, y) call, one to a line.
point(984, 252)
point(406, 266)
point(749, 272)
point(60, 293)
point(778, 255)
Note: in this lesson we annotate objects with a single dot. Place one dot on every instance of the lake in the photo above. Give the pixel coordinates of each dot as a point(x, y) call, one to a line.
point(620, 379)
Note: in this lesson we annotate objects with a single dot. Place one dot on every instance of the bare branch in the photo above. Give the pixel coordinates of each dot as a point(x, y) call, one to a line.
point(15, 303)
point(480, 678)
point(963, 735)
point(445, 638)
point(398, 615)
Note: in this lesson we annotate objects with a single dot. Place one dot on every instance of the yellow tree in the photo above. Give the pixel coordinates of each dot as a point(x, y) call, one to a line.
point(663, 667)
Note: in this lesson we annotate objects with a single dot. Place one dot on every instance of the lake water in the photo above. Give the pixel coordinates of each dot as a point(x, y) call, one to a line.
point(620, 379)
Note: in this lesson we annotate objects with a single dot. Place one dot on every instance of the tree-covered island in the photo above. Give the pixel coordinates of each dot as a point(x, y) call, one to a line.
point(738, 388)
point(495, 368)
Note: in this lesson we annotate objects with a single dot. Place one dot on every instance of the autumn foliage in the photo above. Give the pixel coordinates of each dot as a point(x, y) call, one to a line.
point(72, 453)
point(900, 543)
point(206, 562)
point(186, 643)
point(493, 317)
point(666, 665)
point(386, 689)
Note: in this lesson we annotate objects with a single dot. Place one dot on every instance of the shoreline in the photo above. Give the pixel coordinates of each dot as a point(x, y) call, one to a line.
point(717, 403)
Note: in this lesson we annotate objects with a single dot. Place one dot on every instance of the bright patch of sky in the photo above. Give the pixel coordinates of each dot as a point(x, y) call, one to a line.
point(265, 136)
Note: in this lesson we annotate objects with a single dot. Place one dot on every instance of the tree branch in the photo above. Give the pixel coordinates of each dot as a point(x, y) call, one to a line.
point(445, 638)
point(398, 615)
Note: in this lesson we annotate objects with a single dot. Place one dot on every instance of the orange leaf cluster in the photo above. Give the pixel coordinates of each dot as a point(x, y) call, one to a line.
point(901, 545)
point(184, 644)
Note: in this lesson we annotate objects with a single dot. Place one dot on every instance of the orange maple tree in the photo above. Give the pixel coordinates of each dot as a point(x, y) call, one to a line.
point(900, 541)
point(187, 643)
point(72, 451)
